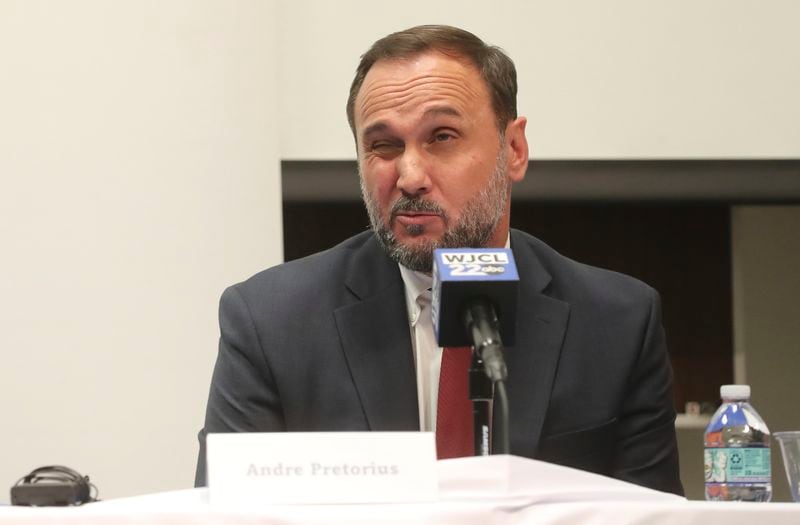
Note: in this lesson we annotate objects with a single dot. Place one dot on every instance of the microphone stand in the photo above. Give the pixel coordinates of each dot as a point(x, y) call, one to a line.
point(487, 375)
point(480, 392)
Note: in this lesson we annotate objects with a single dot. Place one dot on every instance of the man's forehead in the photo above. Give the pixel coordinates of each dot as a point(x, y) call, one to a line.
point(394, 82)
point(417, 63)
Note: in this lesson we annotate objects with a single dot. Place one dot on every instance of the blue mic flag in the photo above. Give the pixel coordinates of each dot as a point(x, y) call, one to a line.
point(461, 275)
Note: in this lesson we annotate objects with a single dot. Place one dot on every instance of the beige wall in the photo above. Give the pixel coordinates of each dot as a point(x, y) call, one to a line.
point(138, 177)
point(612, 79)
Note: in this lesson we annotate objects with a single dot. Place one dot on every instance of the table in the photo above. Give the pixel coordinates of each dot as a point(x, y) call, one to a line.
point(499, 489)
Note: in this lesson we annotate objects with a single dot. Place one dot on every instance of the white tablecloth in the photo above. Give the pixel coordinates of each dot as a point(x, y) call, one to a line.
point(501, 490)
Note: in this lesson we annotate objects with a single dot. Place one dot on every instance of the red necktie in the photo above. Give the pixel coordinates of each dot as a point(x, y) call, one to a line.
point(454, 437)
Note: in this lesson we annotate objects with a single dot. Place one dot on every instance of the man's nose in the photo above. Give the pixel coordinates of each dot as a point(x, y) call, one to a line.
point(412, 173)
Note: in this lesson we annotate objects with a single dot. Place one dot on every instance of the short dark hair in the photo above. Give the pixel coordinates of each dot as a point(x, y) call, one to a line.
point(494, 66)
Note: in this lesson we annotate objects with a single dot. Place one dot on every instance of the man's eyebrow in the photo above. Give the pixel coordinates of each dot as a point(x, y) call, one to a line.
point(381, 126)
point(441, 110)
point(377, 127)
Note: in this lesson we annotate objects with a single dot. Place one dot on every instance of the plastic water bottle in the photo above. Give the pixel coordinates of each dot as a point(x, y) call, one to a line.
point(736, 456)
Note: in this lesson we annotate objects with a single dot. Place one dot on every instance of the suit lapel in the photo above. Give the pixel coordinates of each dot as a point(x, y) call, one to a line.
point(376, 340)
point(532, 362)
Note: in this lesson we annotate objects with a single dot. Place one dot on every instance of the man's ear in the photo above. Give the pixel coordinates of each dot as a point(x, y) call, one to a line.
point(516, 145)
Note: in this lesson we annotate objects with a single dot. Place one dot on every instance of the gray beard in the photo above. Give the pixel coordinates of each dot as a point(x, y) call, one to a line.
point(479, 220)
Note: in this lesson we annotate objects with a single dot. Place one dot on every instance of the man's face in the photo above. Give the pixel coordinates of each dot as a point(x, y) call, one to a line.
point(433, 165)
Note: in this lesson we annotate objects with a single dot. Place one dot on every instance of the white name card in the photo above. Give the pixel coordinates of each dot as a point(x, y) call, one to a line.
point(321, 467)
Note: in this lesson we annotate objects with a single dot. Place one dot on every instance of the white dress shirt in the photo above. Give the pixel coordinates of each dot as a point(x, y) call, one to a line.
point(427, 354)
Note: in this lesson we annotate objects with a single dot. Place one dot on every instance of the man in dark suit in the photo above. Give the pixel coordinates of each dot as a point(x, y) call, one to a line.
point(342, 340)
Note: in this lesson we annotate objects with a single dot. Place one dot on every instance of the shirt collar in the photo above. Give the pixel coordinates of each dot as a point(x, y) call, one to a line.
point(417, 286)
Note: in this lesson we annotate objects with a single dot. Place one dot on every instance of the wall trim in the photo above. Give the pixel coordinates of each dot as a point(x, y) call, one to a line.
point(733, 181)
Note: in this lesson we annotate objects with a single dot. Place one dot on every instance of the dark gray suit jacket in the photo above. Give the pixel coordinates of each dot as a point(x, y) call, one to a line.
point(323, 344)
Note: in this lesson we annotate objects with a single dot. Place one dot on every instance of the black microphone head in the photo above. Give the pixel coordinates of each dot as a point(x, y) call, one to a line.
point(463, 275)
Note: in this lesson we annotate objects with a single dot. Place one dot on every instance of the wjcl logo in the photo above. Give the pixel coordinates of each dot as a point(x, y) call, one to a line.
point(475, 263)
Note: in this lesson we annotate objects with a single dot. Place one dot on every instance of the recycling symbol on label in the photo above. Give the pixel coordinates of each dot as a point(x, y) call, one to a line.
point(736, 458)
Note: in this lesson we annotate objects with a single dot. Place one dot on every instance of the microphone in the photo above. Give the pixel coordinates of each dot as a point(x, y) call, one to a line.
point(480, 321)
point(474, 300)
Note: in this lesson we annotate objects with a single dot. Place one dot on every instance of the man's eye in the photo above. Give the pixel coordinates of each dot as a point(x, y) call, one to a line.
point(443, 136)
point(383, 146)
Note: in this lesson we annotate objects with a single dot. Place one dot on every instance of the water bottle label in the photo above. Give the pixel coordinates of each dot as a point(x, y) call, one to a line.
point(737, 465)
